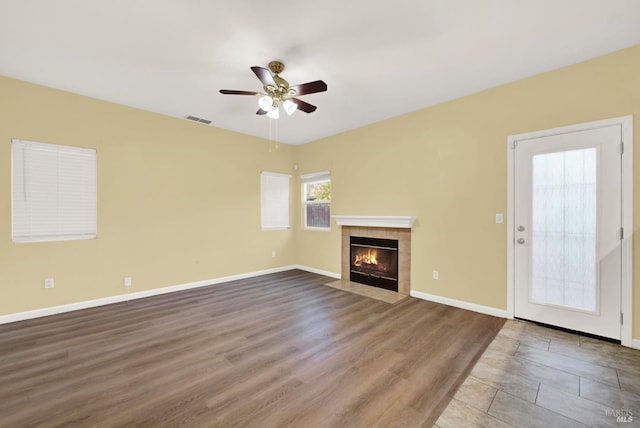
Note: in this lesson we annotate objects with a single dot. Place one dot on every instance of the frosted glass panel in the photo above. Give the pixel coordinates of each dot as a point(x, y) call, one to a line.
point(563, 246)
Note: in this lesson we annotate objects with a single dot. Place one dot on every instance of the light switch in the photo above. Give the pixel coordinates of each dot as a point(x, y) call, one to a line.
point(499, 218)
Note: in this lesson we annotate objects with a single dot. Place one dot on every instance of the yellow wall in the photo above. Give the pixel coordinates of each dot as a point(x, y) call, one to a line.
point(177, 201)
point(447, 165)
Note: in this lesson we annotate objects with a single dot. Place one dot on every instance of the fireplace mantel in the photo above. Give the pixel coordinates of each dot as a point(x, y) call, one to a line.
point(375, 221)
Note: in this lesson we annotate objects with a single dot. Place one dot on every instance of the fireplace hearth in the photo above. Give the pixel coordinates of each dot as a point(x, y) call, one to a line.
point(374, 261)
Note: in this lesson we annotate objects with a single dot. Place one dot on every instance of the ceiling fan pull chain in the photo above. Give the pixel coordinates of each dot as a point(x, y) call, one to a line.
point(270, 139)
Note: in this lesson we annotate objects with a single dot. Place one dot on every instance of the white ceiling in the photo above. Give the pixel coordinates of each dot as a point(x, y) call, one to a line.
point(379, 59)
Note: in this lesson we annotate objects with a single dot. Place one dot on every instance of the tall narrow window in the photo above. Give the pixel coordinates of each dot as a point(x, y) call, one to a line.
point(53, 192)
point(274, 200)
point(316, 198)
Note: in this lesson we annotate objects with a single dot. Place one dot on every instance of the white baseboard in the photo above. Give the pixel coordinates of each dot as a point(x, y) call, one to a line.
point(21, 316)
point(37, 313)
point(318, 271)
point(500, 313)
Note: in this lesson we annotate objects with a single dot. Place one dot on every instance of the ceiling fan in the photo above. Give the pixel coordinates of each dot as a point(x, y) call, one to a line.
point(277, 91)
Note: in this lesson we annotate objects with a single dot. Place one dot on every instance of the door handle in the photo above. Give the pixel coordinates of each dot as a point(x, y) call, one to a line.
point(520, 228)
point(520, 241)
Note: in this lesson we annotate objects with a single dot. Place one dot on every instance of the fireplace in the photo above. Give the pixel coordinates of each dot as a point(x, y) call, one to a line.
point(390, 229)
point(374, 261)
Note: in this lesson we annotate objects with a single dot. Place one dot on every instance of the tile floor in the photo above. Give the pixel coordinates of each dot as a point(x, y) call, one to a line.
point(531, 376)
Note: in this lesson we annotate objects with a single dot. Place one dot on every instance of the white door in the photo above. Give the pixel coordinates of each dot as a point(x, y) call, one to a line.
point(567, 221)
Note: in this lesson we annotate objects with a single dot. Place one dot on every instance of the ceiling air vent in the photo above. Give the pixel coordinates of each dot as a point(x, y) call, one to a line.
point(198, 119)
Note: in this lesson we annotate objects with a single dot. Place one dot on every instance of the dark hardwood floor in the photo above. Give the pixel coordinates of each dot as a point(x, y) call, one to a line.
point(273, 351)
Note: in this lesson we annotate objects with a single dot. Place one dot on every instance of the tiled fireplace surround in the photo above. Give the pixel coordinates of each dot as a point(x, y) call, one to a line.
point(378, 228)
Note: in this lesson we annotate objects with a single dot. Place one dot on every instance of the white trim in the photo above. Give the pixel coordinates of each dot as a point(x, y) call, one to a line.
point(21, 316)
point(275, 174)
point(487, 310)
point(375, 221)
point(511, 142)
point(635, 343)
point(315, 176)
point(318, 229)
point(318, 271)
point(626, 292)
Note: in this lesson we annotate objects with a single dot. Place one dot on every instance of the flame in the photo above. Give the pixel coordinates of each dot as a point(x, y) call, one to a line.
point(369, 258)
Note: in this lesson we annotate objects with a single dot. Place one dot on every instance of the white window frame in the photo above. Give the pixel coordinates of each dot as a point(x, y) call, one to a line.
point(53, 192)
point(275, 196)
point(316, 177)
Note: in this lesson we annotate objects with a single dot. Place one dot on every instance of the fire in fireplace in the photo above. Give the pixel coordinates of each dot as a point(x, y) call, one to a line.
point(374, 262)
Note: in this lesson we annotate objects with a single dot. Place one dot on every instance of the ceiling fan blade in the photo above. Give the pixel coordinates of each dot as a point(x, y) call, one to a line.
point(234, 92)
point(261, 112)
point(309, 88)
point(305, 107)
point(264, 75)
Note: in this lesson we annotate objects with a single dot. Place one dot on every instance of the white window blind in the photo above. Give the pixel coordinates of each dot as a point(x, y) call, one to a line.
point(274, 200)
point(53, 192)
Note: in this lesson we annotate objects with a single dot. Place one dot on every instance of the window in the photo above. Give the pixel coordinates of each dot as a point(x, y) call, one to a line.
point(316, 198)
point(53, 192)
point(274, 200)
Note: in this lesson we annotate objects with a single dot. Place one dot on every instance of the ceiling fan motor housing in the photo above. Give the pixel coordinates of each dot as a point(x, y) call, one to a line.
point(280, 91)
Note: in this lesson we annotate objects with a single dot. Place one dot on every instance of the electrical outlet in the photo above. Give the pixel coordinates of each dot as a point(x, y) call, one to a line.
point(273, 254)
point(127, 281)
point(48, 283)
point(436, 275)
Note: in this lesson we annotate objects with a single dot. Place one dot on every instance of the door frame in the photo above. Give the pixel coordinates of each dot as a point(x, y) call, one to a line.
point(626, 291)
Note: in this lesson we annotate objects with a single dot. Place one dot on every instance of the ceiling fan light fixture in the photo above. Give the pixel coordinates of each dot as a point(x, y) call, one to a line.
point(273, 113)
point(289, 106)
point(265, 102)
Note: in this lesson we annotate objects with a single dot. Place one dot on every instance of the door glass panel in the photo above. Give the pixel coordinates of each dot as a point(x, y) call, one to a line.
point(563, 242)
